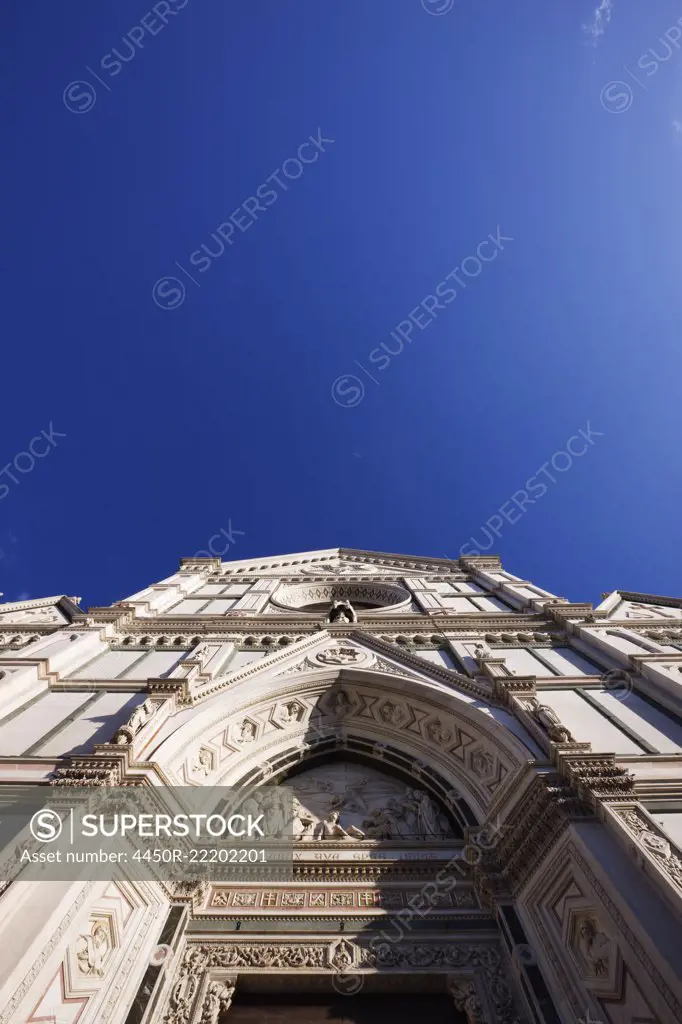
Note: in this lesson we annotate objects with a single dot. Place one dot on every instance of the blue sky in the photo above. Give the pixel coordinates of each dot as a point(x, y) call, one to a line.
point(553, 125)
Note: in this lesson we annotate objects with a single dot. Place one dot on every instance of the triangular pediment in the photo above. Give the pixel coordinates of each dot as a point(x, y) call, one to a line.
point(44, 611)
point(341, 563)
point(628, 606)
point(325, 653)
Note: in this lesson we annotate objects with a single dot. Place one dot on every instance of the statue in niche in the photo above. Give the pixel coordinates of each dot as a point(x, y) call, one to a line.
point(342, 611)
point(331, 828)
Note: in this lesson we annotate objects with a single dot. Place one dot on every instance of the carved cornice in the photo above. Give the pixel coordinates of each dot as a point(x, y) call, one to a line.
point(669, 602)
point(561, 612)
point(92, 771)
point(545, 810)
point(248, 621)
point(595, 777)
point(507, 687)
point(484, 563)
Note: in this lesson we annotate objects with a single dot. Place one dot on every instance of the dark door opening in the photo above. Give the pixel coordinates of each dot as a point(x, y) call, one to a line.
point(375, 1008)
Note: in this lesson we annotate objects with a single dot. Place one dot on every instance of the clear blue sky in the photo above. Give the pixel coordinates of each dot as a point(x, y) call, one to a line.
point(446, 127)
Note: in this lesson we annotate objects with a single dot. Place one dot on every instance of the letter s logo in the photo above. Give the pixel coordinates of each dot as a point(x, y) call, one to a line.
point(46, 826)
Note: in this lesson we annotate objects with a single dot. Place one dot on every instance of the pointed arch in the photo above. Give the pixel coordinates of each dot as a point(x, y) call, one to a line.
point(265, 725)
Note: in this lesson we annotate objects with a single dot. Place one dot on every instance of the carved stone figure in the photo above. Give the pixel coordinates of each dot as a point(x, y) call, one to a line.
point(218, 1000)
point(342, 957)
point(139, 718)
point(303, 822)
point(342, 611)
point(331, 828)
point(203, 763)
point(428, 825)
point(550, 722)
point(393, 714)
point(92, 950)
point(463, 993)
point(247, 732)
point(274, 805)
point(291, 713)
point(594, 946)
point(341, 705)
point(437, 732)
point(482, 763)
point(379, 825)
point(380, 807)
point(403, 816)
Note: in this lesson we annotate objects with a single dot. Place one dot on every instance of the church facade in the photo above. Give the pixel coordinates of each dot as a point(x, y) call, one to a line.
point(487, 796)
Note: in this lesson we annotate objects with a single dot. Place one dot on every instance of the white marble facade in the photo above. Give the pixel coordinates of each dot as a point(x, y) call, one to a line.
point(487, 788)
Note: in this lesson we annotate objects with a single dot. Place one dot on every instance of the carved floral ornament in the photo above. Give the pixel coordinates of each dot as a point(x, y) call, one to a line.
point(471, 968)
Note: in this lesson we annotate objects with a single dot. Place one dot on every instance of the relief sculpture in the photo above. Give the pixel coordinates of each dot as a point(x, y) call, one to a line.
point(345, 801)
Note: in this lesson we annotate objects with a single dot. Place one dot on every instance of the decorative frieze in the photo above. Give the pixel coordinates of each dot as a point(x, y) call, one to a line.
point(597, 777)
point(320, 898)
point(472, 968)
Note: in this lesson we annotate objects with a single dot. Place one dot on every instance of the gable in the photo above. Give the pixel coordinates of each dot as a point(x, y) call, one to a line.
point(46, 611)
point(632, 607)
point(340, 563)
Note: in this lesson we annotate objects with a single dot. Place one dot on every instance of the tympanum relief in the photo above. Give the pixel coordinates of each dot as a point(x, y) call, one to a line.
point(344, 801)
